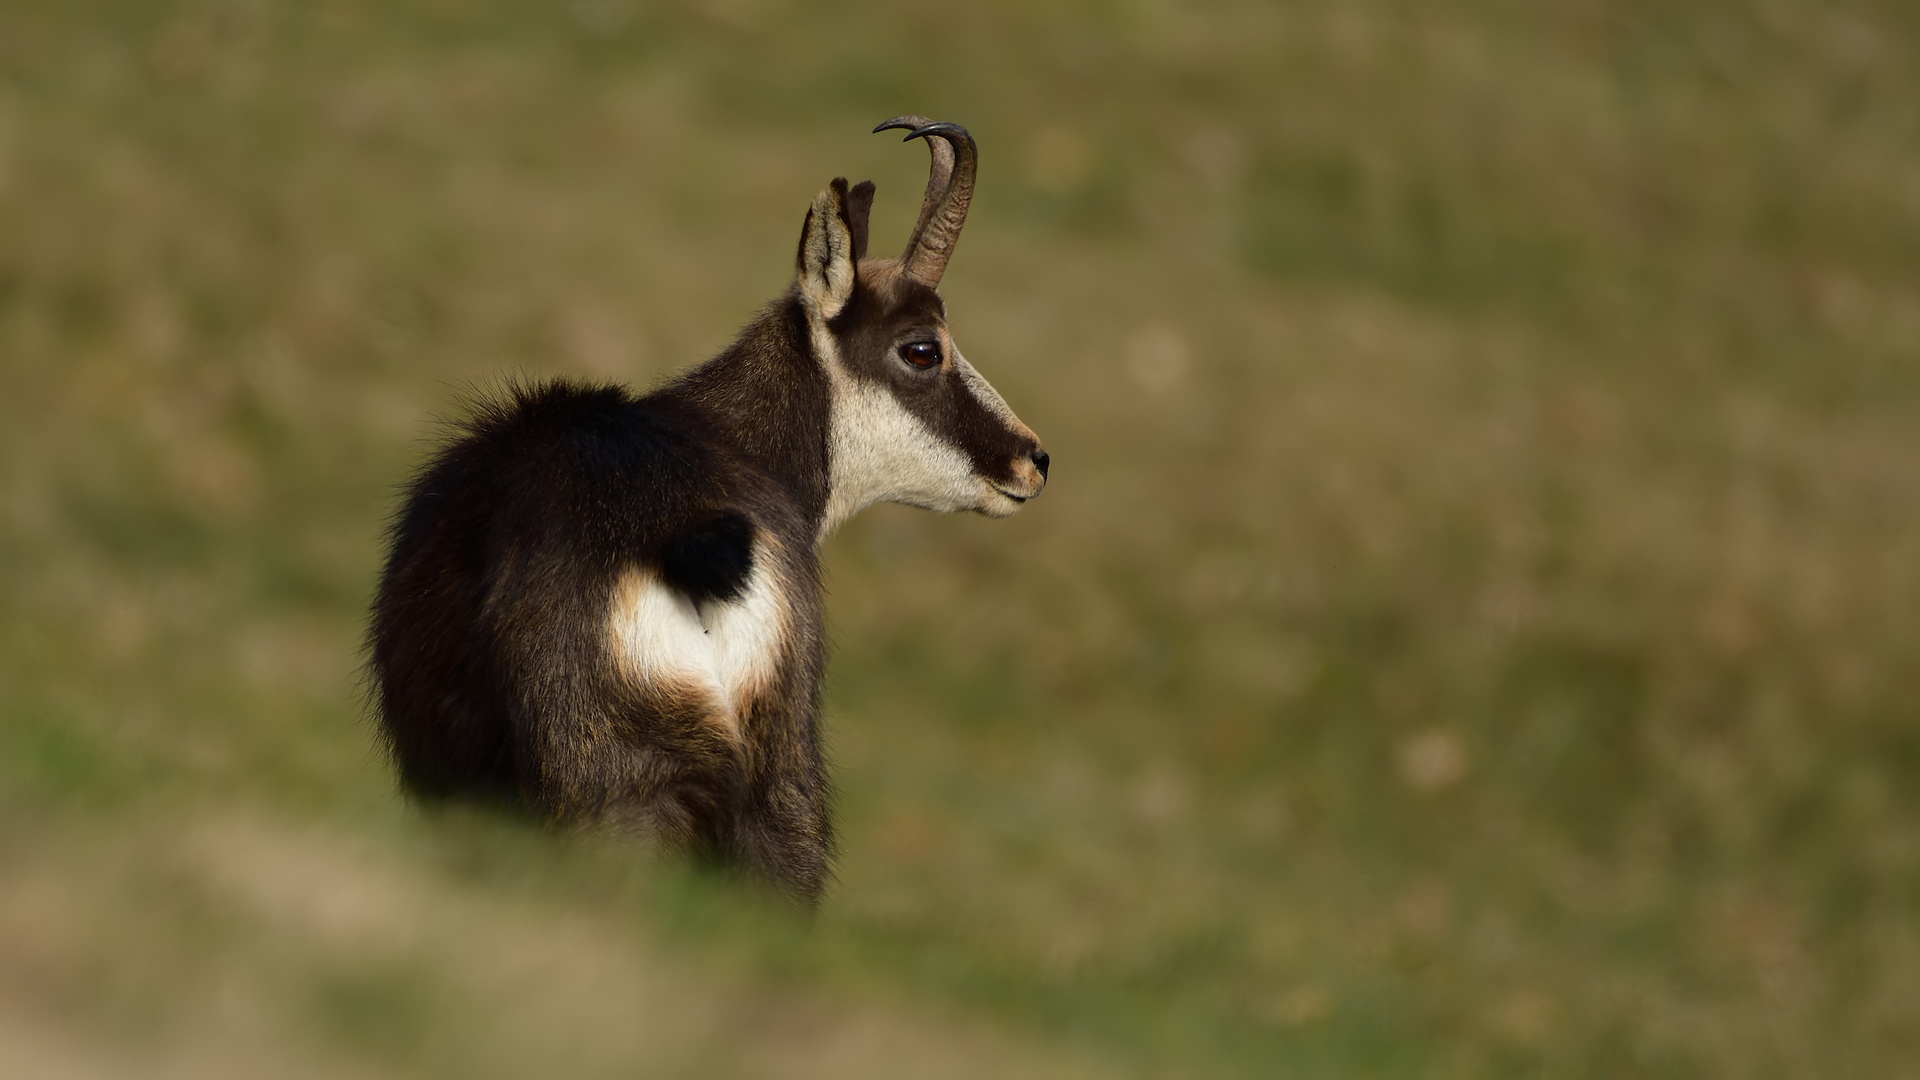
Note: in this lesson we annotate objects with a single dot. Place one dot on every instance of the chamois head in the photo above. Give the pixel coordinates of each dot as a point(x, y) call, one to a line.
point(912, 421)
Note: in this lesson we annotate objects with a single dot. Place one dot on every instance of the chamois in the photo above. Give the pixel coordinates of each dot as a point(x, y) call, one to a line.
point(605, 608)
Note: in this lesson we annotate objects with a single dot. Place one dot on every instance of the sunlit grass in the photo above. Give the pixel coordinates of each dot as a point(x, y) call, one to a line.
point(1467, 634)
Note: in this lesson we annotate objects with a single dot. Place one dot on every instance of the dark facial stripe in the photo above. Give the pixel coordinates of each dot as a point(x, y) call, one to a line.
point(888, 308)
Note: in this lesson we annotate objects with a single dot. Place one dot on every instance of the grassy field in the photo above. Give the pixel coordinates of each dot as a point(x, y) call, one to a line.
point(1471, 631)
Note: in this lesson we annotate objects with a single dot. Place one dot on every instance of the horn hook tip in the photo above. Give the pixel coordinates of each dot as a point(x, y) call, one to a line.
point(946, 129)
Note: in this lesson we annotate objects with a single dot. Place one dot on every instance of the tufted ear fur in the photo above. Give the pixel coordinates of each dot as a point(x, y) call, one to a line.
point(826, 251)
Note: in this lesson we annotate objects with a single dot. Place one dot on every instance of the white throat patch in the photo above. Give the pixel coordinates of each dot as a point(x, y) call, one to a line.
point(877, 451)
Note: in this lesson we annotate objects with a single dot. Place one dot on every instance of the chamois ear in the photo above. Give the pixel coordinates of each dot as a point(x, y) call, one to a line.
point(826, 251)
point(859, 210)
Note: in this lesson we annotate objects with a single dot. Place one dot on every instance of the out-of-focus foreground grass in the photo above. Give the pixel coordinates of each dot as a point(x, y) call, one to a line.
point(1471, 631)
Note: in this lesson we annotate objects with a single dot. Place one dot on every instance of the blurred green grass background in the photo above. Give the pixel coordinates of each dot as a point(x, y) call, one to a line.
point(1470, 632)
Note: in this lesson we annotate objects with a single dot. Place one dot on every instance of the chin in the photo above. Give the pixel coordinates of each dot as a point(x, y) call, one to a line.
point(999, 505)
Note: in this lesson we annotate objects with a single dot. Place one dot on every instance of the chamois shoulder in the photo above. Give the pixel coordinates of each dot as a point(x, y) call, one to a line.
point(560, 414)
point(594, 468)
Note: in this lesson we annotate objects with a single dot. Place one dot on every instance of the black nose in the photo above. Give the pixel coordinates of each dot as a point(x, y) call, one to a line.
point(1040, 462)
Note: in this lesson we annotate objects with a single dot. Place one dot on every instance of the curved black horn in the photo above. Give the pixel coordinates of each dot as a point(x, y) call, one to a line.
point(937, 179)
point(949, 194)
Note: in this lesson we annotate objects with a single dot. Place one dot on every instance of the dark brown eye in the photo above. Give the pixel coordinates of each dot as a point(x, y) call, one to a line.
point(921, 354)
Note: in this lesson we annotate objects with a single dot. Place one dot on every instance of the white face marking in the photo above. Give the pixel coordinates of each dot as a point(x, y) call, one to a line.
point(728, 649)
point(877, 451)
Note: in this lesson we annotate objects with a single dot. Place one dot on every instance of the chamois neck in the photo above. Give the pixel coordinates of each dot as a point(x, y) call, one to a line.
point(768, 398)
